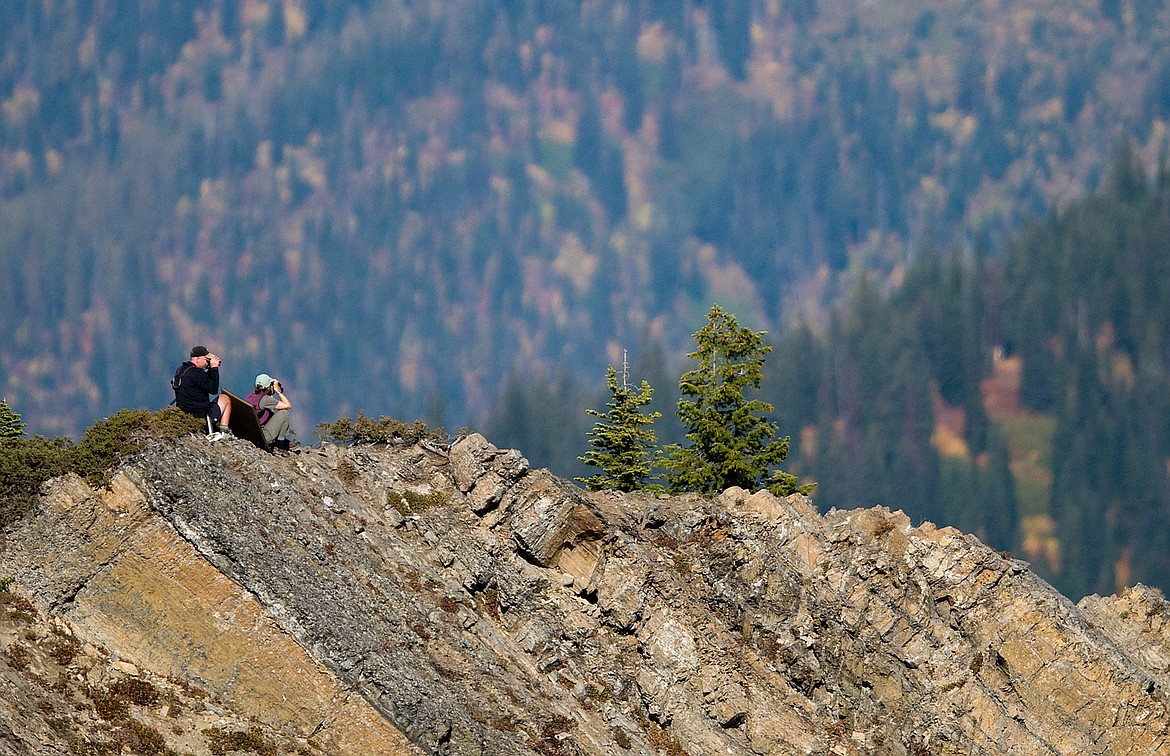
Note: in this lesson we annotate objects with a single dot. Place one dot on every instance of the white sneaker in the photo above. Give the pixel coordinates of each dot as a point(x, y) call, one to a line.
point(217, 436)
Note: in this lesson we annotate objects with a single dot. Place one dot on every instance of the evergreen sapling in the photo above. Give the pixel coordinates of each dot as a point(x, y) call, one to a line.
point(623, 441)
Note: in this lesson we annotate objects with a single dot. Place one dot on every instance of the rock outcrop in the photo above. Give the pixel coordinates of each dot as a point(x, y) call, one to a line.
point(412, 600)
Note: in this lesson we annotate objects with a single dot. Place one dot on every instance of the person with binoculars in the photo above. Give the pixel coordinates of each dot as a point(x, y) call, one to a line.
point(272, 408)
point(196, 380)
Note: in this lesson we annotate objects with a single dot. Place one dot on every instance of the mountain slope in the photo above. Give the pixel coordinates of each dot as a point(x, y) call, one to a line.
point(417, 599)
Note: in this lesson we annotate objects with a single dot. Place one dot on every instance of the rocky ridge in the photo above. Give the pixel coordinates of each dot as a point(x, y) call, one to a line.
point(417, 600)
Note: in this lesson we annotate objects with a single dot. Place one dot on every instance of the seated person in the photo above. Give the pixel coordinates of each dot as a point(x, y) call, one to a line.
point(194, 383)
point(272, 408)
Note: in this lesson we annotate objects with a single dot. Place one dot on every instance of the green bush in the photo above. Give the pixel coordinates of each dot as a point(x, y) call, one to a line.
point(384, 430)
point(109, 442)
point(25, 464)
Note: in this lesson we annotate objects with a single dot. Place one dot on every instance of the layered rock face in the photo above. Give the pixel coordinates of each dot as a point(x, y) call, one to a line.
point(387, 600)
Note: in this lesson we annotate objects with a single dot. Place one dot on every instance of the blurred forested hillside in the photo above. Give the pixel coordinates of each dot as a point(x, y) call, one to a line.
point(394, 206)
point(1024, 397)
point(465, 209)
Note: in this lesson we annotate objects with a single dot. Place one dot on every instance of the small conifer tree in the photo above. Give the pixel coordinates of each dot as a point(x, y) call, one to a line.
point(623, 441)
point(11, 425)
point(732, 441)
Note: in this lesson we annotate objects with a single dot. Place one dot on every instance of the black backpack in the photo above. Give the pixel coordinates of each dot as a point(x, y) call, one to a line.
point(177, 381)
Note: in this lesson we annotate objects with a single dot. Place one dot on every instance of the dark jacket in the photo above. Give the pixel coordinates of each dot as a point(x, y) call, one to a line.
point(195, 388)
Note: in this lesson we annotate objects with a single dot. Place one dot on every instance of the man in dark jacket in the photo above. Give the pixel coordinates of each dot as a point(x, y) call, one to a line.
point(194, 383)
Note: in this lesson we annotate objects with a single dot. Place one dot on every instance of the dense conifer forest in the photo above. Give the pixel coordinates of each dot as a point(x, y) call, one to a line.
point(1024, 397)
point(465, 211)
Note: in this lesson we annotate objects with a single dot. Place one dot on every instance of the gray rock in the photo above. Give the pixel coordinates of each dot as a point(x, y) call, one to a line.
point(511, 612)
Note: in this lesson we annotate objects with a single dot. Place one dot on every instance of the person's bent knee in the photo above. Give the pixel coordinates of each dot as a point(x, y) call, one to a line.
point(278, 424)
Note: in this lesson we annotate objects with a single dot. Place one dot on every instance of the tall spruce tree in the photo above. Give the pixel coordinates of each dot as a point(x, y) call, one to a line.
point(623, 441)
point(732, 441)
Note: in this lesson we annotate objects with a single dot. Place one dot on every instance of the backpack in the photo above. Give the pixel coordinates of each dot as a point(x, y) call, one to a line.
point(177, 380)
point(262, 415)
